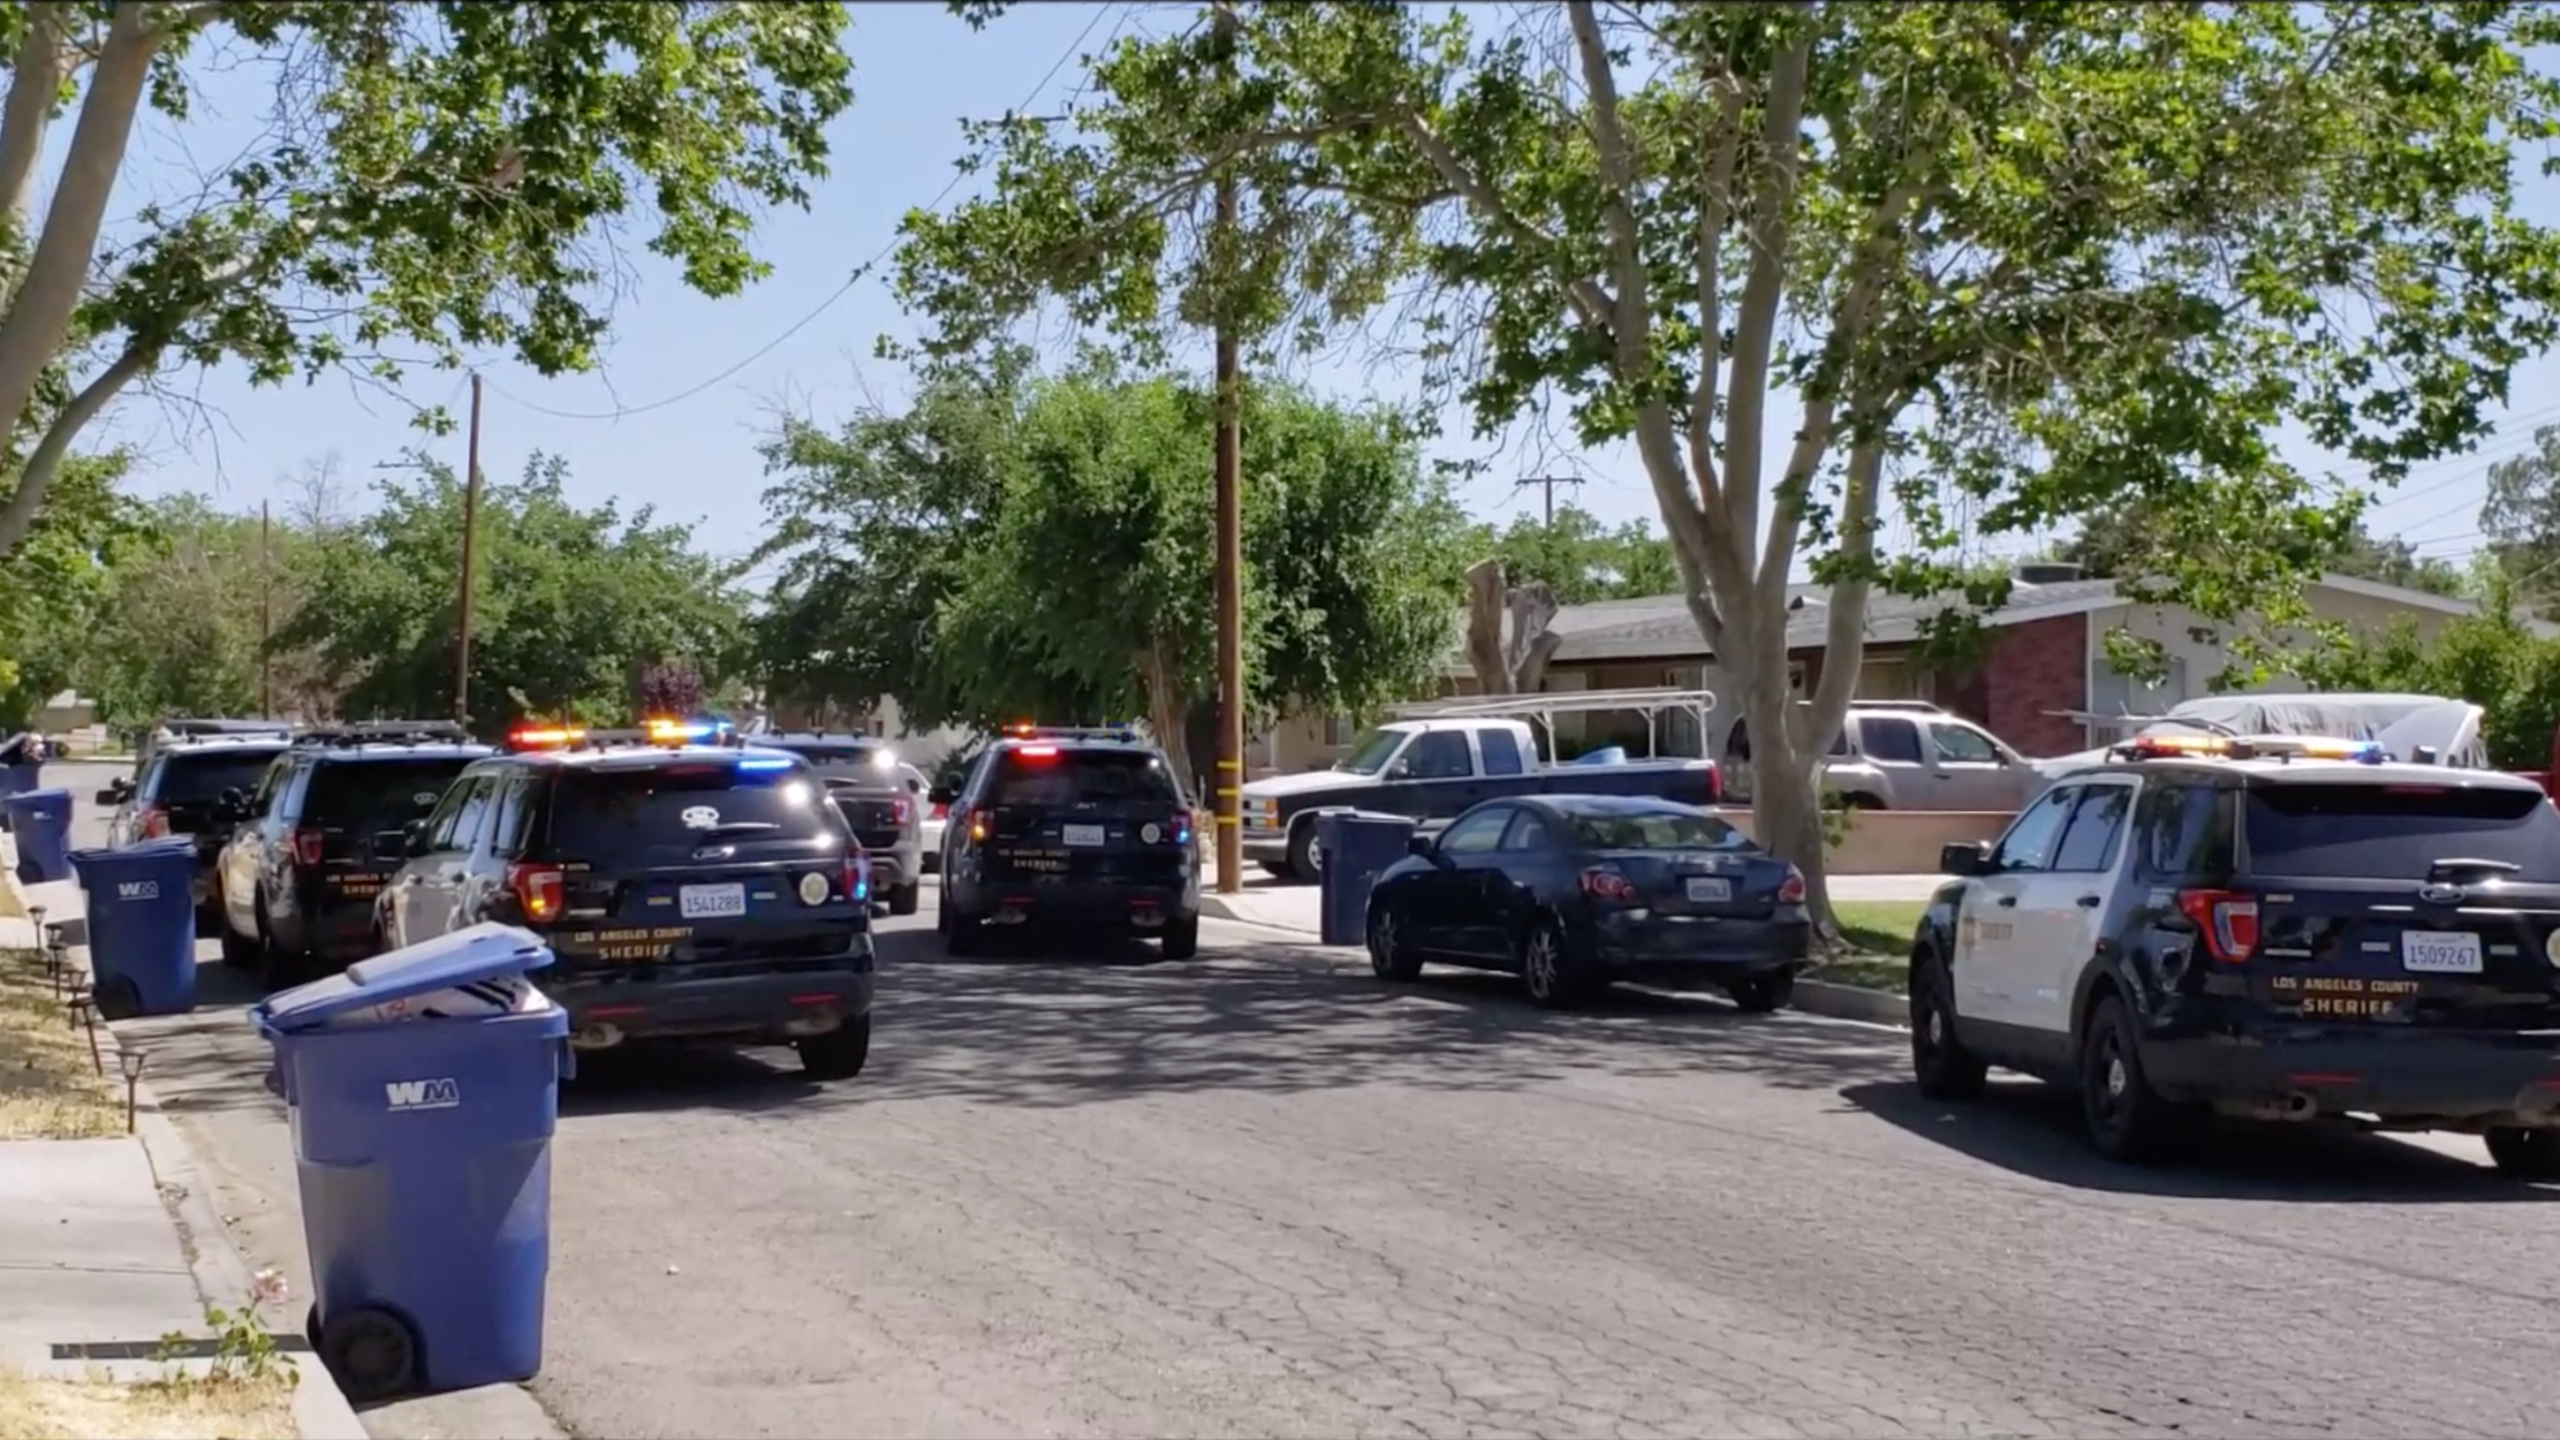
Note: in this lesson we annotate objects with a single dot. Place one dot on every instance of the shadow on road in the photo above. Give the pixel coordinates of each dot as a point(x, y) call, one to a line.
point(209, 1059)
point(2034, 1130)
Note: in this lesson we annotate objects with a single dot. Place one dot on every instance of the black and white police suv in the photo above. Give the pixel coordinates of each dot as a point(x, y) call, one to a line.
point(2270, 928)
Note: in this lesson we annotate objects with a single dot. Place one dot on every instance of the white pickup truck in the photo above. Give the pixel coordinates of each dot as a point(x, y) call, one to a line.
point(1432, 768)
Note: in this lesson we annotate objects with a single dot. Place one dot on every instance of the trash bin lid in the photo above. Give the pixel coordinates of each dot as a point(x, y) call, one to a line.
point(165, 848)
point(30, 799)
point(485, 951)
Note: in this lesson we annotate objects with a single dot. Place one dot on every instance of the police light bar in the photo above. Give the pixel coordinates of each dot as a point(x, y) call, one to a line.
point(2252, 747)
point(669, 732)
point(1025, 730)
point(545, 737)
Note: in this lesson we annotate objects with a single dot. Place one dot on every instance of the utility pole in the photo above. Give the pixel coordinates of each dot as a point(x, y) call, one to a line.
point(470, 528)
point(1549, 484)
point(266, 610)
point(1230, 567)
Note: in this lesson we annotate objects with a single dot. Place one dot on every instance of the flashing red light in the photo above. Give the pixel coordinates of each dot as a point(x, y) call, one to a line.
point(1038, 752)
point(544, 737)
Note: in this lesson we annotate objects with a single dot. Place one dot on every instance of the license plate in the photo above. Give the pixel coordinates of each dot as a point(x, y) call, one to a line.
point(1710, 892)
point(1082, 835)
point(712, 902)
point(2435, 953)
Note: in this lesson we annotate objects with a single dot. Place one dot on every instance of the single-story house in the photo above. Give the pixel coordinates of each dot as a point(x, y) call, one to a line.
point(2046, 654)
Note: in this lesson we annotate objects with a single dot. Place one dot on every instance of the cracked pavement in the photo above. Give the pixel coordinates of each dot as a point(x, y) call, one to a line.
point(1260, 1194)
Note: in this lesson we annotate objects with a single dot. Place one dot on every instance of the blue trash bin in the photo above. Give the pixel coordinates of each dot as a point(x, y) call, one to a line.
point(142, 926)
point(24, 776)
point(41, 819)
point(421, 1122)
point(1358, 847)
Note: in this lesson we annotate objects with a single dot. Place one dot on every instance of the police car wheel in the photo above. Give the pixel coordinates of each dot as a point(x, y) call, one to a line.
point(905, 900)
point(238, 951)
point(1182, 939)
point(370, 1353)
point(275, 967)
point(2128, 1121)
point(2525, 1154)
point(1944, 1069)
point(837, 1055)
point(961, 933)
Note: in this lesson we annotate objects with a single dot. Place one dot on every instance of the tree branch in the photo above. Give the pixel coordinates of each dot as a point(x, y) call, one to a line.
point(34, 83)
point(18, 516)
point(1588, 301)
point(1715, 215)
point(39, 317)
point(1756, 326)
point(1844, 641)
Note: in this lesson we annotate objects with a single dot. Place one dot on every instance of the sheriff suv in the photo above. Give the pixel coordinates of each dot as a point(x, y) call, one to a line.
point(2270, 928)
point(1084, 828)
point(688, 892)
point(300, 873)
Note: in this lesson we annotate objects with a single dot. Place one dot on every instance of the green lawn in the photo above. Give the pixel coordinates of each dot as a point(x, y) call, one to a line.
point(1879, 933)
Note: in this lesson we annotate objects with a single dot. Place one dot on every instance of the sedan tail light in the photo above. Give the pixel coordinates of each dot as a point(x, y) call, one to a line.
point(537, 890)
point(306, 847)
point(1791, 889)
point(1602, 883)
point(2228, 919)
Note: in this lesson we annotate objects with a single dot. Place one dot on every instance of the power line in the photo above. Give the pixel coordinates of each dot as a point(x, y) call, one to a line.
point(823, 306)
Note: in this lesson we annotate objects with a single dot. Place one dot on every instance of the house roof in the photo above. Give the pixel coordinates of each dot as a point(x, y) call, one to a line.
point(1659, 626)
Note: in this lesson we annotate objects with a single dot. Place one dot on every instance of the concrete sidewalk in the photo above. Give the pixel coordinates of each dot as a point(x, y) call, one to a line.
point(109, 1245)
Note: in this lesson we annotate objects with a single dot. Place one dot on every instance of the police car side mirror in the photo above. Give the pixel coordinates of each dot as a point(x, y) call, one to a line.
point(1422, 845)
point(109, 796)
point(234, 802)
point(942, 795)
point(413, 837)
point(1968, 859)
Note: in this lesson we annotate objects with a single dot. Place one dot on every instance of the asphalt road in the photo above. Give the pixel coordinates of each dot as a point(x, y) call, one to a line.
point(1259, 1194)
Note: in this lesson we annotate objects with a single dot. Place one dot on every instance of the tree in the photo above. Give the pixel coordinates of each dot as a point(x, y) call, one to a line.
point(2111, 543)
point(1098, 572)
point(1581, 560)
point(434, 177)
point(570, 601)
point(2521, 520)
point(55, 591)
point(2491, 659)
point(180, 634)
point(872, 522)
point(2014, 262)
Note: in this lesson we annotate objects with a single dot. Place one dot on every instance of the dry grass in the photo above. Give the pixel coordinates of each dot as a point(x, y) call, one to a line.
point(34, 1408)
point(49, 1088)
point(11, 907)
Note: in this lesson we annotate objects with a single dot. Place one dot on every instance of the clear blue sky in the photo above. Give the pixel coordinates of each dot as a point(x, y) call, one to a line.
point(919, 71)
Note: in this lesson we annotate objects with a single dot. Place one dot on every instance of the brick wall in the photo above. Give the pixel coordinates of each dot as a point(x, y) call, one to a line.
point(2032, 668)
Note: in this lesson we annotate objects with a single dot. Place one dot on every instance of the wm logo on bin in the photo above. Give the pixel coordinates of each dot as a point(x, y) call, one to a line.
point(137, 889)
point(422, 1094)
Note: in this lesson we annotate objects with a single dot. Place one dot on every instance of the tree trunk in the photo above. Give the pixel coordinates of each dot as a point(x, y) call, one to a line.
point(27, 116)
point(1508, 659)
point(1169, 715)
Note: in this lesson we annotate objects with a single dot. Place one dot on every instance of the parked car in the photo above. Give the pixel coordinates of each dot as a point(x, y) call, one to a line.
point(1906, 755)
point(197, 786)
point(1433, 770)
point(1574, 892)
point(862, 776)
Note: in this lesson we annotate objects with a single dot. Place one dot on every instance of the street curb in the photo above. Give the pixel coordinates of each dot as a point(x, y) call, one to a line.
point(221, 1273)
point(1215, 907)
point(1852, 1002)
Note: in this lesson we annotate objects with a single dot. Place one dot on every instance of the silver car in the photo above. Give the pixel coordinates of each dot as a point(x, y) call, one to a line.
point(1908, 755)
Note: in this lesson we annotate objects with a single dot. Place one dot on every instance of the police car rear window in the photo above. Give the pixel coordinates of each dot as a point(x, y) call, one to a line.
point(1082, 777)
point(351, 792)
point(2395, 832)
point(599, 814)
point(187, 779)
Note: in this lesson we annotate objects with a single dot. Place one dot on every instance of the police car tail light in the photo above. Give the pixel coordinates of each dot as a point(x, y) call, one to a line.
point(306, 846)
point(902, 809)
point(152, 821)
point(1791, 889)
point(537, 890)
point(1181, 827)
point(977, 825)
point(2228, 920)
point(857, 877)
point(1602, 883)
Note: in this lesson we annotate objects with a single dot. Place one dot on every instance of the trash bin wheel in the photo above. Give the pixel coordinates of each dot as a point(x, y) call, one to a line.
point(371, 1353)
point(838, 1054)
point(118, 998)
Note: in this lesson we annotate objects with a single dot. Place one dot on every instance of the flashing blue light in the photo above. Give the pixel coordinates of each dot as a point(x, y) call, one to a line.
point(2370, 752)
point(1182, 829)
point(765, 762)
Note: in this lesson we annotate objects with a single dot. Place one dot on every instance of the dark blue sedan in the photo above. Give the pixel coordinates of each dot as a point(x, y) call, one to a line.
point(1572, 892)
